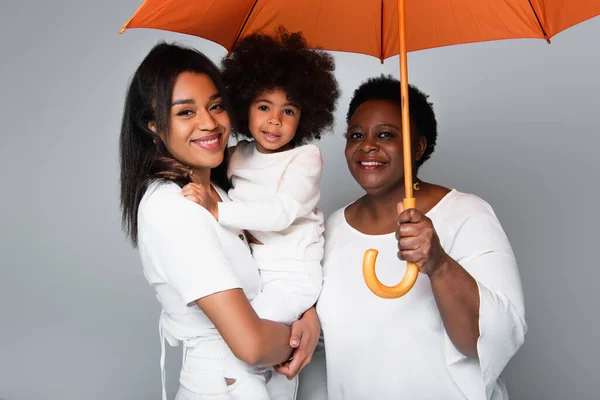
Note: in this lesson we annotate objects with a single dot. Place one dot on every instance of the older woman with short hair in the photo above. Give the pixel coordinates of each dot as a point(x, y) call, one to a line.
point(452, 335)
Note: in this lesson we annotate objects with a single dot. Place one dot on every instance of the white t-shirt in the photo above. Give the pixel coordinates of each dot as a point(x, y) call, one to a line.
point(398, 349)
point(275, 197)
point(187, 255)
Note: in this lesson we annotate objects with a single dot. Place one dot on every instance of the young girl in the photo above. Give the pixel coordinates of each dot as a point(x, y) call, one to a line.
point(176, 121)
point(284, 95)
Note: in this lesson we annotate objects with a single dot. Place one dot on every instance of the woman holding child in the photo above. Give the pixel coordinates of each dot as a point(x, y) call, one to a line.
point(233, 320)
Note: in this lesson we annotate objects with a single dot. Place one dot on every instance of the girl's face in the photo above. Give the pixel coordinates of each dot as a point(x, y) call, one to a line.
point(199, 125)
point(272, 120)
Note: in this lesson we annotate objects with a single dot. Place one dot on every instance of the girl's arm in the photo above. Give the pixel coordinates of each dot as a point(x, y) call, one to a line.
point(297, 194)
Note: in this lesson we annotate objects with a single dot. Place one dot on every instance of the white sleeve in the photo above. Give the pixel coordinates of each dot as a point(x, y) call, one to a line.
point(482, 249)
point(298, 194)
point(182, 237)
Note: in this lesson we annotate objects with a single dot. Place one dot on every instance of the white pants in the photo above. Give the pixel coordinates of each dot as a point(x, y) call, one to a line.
point(289, 288)
point(206, 365)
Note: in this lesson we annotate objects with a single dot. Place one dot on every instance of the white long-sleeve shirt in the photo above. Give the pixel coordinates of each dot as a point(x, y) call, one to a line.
point(398, 349)
point(274, 196)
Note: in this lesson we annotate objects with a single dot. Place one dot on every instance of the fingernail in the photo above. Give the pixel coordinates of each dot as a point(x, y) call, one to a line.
point(294, 342)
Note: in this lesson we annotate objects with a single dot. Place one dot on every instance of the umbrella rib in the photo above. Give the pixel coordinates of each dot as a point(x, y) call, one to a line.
point(237, 37)
point(500, 19)
point(455, 21)
point(318, 19)
point(126, 25)
point(381, 55)
point(539, 21)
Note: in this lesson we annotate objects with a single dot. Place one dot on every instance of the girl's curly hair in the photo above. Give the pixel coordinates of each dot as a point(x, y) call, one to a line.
point(260, 62)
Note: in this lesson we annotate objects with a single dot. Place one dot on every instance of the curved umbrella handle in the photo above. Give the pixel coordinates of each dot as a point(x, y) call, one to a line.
point(375, 285)
point(384, 291)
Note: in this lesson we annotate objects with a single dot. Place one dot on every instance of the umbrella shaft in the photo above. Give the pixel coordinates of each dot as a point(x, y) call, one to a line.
point(406, 142)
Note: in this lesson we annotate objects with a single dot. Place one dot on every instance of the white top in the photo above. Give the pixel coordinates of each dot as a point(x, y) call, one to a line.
point(398, 349)
point(187, 255)
point(275, 197)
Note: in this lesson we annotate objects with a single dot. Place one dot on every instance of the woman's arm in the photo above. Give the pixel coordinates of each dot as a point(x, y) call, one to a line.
point(454, 290)
point(189, 256)
point(263, 342)
point(251, 339)
point(457, 299)
point(475, 282)
point(476, 285)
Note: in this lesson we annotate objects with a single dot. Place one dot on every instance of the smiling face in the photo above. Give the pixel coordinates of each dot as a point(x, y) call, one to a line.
point(374, 146)
point(272, 120)
point(199, 126)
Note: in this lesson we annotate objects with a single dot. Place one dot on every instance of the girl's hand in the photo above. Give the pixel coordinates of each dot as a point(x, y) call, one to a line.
point(304, 338)
point(200, 195)
point(418, 241)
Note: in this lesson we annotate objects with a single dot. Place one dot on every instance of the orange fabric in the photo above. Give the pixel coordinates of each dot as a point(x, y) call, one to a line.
point(366, 26)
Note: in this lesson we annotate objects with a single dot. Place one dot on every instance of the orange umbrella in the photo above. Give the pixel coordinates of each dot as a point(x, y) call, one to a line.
point(380, 28)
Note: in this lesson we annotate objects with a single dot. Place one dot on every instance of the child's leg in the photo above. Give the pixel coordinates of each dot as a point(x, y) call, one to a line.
point(247, 382)
point(281, 389)
point(289, 288)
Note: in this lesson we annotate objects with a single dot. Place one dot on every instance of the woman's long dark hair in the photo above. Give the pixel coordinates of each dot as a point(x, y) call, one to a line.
point(144, 157)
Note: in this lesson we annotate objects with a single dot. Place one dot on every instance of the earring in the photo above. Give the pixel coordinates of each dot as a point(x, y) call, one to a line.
point(416, 186)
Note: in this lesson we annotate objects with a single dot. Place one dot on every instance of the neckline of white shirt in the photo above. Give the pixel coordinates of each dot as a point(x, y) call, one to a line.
point(347, 225)
point(272, 154)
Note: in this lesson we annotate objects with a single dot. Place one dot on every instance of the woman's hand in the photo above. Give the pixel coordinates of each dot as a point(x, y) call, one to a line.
point(304, 338)
point(200, 195)
point(418, 241)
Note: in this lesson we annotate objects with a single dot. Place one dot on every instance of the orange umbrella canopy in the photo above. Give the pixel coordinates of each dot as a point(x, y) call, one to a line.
point(366, 26)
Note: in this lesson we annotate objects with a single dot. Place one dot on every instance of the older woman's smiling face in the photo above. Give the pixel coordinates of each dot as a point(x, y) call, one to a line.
point(374, 146)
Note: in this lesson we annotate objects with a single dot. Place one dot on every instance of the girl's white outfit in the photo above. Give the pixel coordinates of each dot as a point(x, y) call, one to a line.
point(398, 348)
point(274, 196)
point(187, 255)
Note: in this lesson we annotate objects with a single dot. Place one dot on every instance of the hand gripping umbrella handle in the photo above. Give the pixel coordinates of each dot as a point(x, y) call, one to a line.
point(378, 288)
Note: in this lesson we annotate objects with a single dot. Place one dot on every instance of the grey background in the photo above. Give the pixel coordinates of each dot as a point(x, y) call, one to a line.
point(518, 125)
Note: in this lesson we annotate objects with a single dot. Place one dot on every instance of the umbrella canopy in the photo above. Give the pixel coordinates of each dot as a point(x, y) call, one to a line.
point(366, 26)
point(380, 28)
